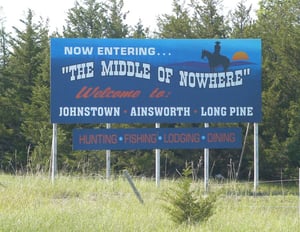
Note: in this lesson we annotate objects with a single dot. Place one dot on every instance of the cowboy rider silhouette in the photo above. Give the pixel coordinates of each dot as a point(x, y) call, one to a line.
point(215, 58)
point(217, 49)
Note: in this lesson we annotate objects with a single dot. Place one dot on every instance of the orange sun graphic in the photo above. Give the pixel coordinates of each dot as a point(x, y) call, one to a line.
point(240, 56)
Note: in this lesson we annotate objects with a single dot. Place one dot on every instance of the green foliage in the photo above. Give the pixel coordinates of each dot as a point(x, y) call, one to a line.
point(137, 162)
point(87, 19)
point(19, 78)
point(96, 19)
point(187, 205)
point(208, 22)
point(176, 25)
point(278, 26)
point(116, 27)
point(139, 31)
point(241, 20)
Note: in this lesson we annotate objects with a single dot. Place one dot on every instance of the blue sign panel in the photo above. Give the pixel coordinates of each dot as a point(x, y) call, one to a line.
point(162, 138)
point(155, 80)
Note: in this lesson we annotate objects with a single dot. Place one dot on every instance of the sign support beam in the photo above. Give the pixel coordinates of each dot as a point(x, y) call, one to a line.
point(54, 152)
point(157, 162)
point(256, 158)
point(206, 165)
point(108, 126)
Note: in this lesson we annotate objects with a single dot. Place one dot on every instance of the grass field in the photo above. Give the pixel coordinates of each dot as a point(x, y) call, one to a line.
point(33, 203)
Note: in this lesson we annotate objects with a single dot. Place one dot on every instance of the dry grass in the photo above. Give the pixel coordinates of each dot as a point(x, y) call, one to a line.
point(32, 203)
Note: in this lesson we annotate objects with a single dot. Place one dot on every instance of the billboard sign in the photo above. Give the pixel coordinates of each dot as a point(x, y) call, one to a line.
point(160, 138)
point(155, 80)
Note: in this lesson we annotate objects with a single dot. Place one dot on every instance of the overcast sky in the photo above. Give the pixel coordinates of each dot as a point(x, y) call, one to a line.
point(55, 10)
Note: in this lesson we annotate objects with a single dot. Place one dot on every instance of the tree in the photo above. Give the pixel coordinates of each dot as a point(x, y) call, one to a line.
point(87, 20)
point(35, 126)
point(292, 142)
point(139, 31)
point(22, 69)
point(176, 25)
point(278, 26)
point(116, 28)
point(241, 20)
point(207, 22)
point(187, 205)
point(93, 19)
point(4, 53)
point(5, 131)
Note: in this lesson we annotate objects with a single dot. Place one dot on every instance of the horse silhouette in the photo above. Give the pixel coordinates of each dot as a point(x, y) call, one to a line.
point(215, 60)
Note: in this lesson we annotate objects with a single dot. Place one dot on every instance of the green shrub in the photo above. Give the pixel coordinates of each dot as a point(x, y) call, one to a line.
point(186, 205)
